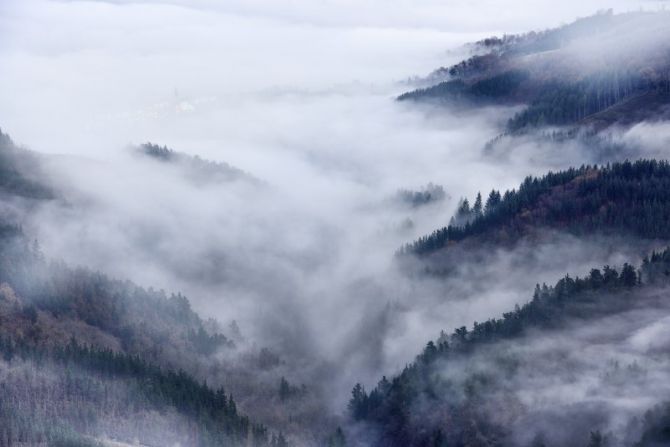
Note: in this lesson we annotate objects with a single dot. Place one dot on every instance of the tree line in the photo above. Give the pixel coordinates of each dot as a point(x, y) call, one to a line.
point(630, 198)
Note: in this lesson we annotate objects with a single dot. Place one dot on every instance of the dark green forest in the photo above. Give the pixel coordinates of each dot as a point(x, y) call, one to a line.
point(485, 90)
point(627, 198)
point(630, 90)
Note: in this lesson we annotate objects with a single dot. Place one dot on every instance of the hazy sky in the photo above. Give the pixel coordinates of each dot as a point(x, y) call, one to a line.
point(74, 72)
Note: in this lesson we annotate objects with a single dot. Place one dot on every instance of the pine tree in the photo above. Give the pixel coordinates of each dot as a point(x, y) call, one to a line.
point(284, 389)
point(358, 404)
point(492, 201)
point(477, 209)
point(337, 439)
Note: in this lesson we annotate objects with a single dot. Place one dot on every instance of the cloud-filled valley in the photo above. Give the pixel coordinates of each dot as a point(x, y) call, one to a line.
point(285, 180)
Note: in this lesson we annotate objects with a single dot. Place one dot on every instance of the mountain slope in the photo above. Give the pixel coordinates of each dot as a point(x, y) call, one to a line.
point(86, 359)
point(587, 353)
point(17, 173)
point(628, 198)
point(129, 349)
point(567, 75)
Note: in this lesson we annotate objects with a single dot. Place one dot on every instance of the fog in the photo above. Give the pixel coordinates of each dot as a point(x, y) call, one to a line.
point(598, 374)
point(299, 95)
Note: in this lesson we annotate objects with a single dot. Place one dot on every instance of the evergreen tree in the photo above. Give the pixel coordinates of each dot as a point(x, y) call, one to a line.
point(477, 208)
point(628, 275)
point(492, 201)
point(337, 439)
point(284, 389)
point(358, 404)
point(596, 439)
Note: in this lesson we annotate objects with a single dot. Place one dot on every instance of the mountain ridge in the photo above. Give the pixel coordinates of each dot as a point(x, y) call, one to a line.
point(548, 74)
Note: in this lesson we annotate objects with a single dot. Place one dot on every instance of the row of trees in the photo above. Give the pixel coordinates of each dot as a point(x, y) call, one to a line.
point(551, 39)
point(499, 50)
point(429, 194)
point(466, 213)
point(496, 87)
point(627, 197)
point(555, 102)
point(197, 169)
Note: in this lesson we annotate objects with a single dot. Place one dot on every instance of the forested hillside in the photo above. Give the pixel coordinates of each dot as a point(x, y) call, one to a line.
point(499, 382)
point(18, 176)
point(88, 360)
point(87, 355)
point(195, 168)
point(627, 198)
point(76, 395)
point(427, 195)
point(625, 79)
point(61, 303)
